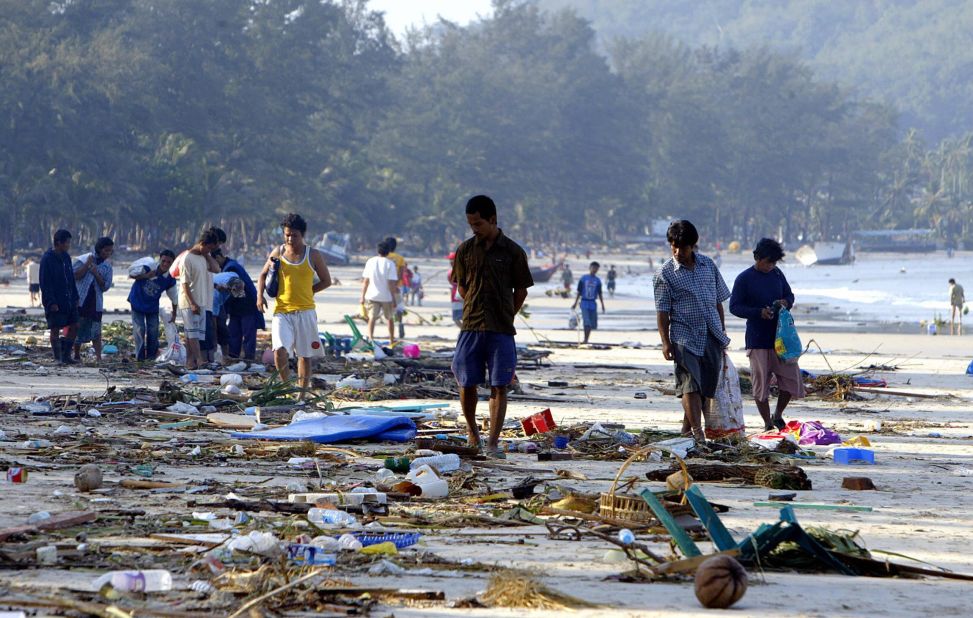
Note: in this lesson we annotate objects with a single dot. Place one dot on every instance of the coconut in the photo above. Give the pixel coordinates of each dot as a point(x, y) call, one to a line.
point(721, 581)
point(88, 478)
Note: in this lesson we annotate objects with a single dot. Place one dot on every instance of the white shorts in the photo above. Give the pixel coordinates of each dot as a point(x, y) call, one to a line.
point(297, 333)
point(194, 323)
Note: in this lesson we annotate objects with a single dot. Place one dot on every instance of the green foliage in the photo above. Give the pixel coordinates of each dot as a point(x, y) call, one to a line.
point(912, 53)
point(146, 120)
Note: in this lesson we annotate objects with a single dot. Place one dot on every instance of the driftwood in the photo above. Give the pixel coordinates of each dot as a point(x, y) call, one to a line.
point(262, 505)
point(774, 476)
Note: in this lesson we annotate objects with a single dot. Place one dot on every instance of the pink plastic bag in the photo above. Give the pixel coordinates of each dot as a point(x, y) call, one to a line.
point(410, 351)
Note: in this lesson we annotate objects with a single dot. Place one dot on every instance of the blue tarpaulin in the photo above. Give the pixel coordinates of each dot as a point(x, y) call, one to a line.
point(340, 428)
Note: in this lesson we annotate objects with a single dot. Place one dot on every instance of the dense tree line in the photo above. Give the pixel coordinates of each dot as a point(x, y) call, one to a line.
point(145, 119)
point(915, 54)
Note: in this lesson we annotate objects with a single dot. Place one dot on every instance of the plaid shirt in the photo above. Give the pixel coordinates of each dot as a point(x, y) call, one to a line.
point(690, 297)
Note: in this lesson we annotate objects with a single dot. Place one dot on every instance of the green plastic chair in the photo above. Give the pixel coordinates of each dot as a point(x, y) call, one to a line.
point(359, 341)
point(763, 540)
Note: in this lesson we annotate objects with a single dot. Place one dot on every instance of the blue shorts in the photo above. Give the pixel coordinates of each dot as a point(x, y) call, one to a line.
point(589, 317)
point(477, 351)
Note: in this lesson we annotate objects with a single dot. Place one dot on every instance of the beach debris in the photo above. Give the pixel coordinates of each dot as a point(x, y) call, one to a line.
point(541, 422)
point(88, 478)
point(517, 589)
point(720, 582)
point(850, 455)
point(857, 483)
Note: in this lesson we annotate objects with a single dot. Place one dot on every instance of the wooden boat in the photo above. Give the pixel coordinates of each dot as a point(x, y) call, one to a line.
point(825, 253)
point(542, 274)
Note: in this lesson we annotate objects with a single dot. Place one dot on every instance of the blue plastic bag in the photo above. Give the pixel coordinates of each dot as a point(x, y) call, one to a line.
point(788, 343)
point(969, 370)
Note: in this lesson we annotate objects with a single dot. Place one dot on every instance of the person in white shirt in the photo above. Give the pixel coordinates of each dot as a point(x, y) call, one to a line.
point(379, 289)
point(33, 280)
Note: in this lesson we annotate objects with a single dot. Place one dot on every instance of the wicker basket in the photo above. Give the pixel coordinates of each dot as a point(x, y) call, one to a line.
point(630, 507)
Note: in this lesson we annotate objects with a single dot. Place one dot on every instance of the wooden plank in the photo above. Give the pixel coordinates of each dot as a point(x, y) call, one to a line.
point(688, 565)
point(816, 507)
point(136, 484)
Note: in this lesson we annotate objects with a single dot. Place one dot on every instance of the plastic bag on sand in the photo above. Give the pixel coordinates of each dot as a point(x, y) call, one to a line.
point(724, 415)
point(183, 408)
point(174, 352)
point(679, 446)
point(262, 543)
point(231, 378)
point(771, 439)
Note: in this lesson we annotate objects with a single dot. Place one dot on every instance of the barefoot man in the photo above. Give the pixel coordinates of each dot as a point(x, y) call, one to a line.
point(295, 325)
point(492, 277)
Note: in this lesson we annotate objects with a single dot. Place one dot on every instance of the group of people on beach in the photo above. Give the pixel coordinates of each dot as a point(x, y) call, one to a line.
point(689, 295)
point(217, 300)
point(489, 277)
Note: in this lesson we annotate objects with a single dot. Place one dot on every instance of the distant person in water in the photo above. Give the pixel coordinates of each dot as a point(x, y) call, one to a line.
point(759, 293)
point(956, 301)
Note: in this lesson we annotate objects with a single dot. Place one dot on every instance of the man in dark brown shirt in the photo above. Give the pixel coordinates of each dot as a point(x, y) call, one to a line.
point(492, 276)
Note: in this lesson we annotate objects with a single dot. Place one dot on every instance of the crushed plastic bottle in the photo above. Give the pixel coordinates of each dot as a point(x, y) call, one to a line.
point(331, 518)
point(153, 580)
point(626, 536)
point(442, 463)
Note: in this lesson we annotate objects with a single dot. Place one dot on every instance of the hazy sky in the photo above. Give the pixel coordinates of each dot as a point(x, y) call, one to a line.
point(400, 14)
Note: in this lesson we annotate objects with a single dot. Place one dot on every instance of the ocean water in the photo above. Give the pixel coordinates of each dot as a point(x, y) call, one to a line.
point(877, 288)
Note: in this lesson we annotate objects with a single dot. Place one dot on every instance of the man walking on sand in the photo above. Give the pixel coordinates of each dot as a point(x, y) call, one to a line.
point(295, 325)
point(196, 293)
point(956, 300)
point(589, 291)
point(758, 294)
point(492, 277)
point(59, 296)
point(689, 292)
point(33, 280)
point(380, 282)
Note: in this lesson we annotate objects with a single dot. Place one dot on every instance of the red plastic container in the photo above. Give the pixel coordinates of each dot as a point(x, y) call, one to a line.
point(542, 422)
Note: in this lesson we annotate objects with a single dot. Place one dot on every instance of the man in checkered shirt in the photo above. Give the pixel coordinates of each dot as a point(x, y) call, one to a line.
point(689, 292)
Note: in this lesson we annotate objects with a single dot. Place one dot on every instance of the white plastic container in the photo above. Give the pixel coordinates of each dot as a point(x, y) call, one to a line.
point(153, 580)
point(426, 479)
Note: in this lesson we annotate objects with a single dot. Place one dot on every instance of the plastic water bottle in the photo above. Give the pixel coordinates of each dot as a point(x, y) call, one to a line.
point(154, 580)
point(443, 463)
point(330, 517)
point(626, 536)
point(348, 542)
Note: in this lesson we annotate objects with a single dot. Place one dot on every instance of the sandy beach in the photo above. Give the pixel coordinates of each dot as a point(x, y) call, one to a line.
point(922, 508)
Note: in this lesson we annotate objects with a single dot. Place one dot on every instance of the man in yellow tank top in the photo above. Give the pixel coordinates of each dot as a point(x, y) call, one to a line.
point(295, 324)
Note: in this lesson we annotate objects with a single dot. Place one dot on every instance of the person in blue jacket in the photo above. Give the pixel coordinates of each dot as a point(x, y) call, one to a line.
point(758, 294)
point(59, 296)
point(144, 299)
point(244, 317)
